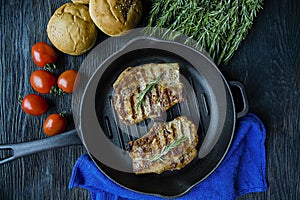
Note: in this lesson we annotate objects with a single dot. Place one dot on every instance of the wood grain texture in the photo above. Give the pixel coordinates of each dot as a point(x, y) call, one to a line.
point(43, 175)
point(267, 62)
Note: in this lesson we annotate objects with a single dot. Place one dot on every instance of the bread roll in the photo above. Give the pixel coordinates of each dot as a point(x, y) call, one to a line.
point(114, 17)
point(71, 29)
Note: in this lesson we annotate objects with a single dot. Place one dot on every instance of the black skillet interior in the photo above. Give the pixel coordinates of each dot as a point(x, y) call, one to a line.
point(170, 183)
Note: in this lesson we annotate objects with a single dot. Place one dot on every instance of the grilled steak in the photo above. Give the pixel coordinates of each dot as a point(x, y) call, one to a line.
point(167, 146)
point(147, 91)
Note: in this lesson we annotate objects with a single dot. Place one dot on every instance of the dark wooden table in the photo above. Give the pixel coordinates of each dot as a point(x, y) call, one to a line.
point(267, 62)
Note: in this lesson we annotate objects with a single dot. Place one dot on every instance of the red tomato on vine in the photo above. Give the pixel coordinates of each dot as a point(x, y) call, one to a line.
point(42, 81)
point(34, 104)
point(43, 54)
point(54, 124)
point(66, 81)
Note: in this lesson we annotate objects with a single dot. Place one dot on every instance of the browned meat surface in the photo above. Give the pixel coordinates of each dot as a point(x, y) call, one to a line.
point(167, 146)
point(133, 81)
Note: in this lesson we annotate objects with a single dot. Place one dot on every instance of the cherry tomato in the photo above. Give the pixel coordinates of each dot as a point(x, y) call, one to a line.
point(66, 81)
point(42, 81)
point(34, 104)
point(54, 124)
point(43, 54)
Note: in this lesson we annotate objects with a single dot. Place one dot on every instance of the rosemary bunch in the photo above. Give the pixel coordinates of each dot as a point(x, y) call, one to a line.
point(217, 26)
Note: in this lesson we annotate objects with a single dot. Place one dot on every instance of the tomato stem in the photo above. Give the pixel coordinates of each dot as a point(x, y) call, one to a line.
point(20, 99)
point(63, 114)
point(50, 67)
point(56, 90)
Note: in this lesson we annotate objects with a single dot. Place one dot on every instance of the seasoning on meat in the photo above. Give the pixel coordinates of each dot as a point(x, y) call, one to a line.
point(167, 146)
point(147, 91)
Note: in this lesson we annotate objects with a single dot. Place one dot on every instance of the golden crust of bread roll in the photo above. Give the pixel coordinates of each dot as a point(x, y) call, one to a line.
point(81, 1)
point(114, 17)
point(71, 29)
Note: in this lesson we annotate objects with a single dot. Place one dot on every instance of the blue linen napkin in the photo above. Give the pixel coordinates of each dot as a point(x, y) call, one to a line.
point(242, 171)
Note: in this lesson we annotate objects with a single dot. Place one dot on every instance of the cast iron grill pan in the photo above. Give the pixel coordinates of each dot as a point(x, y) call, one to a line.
point(169, 183)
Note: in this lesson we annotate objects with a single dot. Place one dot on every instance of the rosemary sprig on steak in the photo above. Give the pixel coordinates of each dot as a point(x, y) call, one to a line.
point(168, 148)
point(146, 90)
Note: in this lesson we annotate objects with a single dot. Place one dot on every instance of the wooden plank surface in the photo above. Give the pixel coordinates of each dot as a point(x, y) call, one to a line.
point(267, 62)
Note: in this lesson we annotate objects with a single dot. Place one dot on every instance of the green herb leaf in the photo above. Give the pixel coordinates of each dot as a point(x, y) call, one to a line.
point(167, 148)
point(146, 90)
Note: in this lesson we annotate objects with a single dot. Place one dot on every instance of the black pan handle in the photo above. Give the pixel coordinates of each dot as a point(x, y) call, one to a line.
point(27, 148)
point(241, 88)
